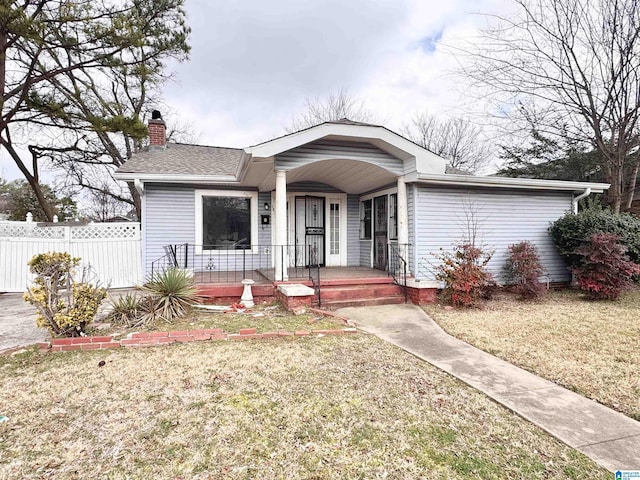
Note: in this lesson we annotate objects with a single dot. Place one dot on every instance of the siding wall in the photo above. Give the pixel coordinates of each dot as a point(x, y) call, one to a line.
point(503, 218)
point(326, 149)
point(366, 253)
point(353, 231)
point(411, 191)
point(169, 218)
point(264, 231)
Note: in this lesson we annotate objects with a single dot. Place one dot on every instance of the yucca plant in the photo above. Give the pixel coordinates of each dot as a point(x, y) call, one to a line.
point(125, 310)
point(172, 292)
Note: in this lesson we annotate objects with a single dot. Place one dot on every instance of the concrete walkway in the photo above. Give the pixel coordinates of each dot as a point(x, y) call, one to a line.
point(608, 437)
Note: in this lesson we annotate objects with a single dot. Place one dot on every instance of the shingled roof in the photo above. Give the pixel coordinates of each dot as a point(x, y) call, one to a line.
point(180, 158)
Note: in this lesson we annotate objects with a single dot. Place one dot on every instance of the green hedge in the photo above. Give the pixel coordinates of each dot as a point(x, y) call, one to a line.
point(574, 230)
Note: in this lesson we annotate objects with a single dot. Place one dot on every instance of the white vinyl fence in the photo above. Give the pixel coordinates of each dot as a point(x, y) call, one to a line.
point(110, 253)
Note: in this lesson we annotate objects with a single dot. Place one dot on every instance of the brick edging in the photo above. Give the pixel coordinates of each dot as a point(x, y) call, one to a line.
point(146, 339)
point(329, 313)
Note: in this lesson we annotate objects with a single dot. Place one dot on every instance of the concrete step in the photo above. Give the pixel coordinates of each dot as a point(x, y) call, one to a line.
point(366, 302)
point(360, 292)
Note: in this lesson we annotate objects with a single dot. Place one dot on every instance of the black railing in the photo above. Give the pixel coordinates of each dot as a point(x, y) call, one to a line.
point(233, 263)
point(314, 272)
point(397, 266)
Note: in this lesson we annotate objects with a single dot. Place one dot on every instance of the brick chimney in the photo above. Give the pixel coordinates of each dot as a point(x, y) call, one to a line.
point(157, 131)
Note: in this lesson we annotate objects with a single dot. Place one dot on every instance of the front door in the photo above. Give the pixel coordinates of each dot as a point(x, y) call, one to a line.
point(380, 232)
point(309, 230)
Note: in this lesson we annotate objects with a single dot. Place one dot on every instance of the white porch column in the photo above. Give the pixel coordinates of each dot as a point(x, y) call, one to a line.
point(280, 224)
point(403, 219)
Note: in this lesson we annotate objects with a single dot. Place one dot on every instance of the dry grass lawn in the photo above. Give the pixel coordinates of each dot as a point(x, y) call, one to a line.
point(264, 318)
point(313, 408)
point(589, 347)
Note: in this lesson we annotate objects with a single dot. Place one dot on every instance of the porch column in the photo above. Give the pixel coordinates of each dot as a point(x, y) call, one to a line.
point(280, 224)
point(403, 219)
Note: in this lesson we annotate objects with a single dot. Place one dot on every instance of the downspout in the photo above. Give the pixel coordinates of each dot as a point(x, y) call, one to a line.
point(575, 201)
point(139, 185)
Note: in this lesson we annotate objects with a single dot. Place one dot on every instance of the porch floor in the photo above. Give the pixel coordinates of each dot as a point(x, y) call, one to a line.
point(295, 274)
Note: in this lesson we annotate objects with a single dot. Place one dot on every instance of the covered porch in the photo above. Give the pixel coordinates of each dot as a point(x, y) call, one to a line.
point(218, 275)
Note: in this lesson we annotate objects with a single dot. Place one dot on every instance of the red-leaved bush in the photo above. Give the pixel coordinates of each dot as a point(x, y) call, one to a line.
point(523, 270)
point(606, 270)
point(463, 273)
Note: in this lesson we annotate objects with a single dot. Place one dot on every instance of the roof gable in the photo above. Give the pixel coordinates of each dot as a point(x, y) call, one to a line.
point(383, 138)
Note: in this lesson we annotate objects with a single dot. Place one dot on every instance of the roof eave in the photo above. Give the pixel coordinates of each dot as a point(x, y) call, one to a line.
point(176, 178)
point(506, 182)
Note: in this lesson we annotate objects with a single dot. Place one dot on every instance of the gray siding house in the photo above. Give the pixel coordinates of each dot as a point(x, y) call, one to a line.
point(340, 194)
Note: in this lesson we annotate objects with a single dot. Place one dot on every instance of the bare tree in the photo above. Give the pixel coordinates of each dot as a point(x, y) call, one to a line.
point(103, 206)
point(454, 139)
point(336, 106)
point(571, 67)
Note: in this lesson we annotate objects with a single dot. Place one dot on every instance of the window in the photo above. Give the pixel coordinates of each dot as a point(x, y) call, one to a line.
point(334, 219)
point(393, 216)
point(365, 220)
point(226, 220)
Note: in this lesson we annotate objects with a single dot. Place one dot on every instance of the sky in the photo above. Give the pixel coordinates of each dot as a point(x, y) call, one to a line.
point(253, 63)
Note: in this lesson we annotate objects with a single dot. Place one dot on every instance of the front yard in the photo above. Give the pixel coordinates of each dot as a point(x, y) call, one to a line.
point(315, 408)
point(590, 347)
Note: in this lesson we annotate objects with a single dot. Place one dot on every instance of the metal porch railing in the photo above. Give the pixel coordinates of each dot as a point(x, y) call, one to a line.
point(397, 266)
point(225, 264)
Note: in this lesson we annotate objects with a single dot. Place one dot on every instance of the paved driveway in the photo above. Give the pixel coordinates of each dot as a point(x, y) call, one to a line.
point(18, 323)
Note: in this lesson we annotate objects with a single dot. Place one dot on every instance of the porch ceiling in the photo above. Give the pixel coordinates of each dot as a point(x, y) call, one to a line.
point(349, 176)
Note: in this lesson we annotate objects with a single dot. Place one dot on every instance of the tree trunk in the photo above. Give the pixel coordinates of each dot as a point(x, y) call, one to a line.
point(633, 180)
point(32, 178)
point(137, 201)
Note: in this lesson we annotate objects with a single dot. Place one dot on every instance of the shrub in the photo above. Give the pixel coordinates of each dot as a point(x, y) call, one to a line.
point(606, 269)
point(572, 231)
point(464, 275)
point(65, 307)
point(523, 270)
point(172, 293)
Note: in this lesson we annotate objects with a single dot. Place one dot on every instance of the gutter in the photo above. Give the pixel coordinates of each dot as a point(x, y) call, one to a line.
point(574, 202)
point(504, 182)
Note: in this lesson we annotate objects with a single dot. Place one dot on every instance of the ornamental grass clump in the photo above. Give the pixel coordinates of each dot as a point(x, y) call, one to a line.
point(125, 310)
point(65, 307)
point(170, 295)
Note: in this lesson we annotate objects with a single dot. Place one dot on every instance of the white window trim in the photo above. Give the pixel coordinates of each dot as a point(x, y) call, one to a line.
point(253, 196)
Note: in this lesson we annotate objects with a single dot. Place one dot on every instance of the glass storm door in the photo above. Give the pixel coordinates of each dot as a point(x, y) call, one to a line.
point(380, 232)
point(310, 230)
